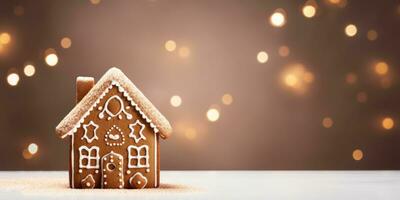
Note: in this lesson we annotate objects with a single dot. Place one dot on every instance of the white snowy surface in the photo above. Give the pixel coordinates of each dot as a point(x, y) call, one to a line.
point(267, 185)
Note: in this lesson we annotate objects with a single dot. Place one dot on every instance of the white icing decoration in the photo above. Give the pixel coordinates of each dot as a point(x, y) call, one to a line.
point(120, 88)
point(112, 139)
point(72, 162)
point(87, 181)
point(89, 157)
point(138, 156)
point(137, 136)
point(121, 109)
point(155, 162)
point(138, 182)
point(85, 135)
point(119, 159)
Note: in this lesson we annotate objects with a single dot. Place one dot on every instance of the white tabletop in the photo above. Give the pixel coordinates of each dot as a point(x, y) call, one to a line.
point(272, 185)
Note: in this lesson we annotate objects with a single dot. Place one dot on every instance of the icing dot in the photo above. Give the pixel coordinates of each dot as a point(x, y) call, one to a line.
point(105, 182)
point(97, 171)
point(120, 174)
point(120, 186)
point(138, 182)
point(88, 184)
point(147, 170)
point(80, 170)
point(105, 176)
point(120, 180)
point(127, 107)
point(128, 172)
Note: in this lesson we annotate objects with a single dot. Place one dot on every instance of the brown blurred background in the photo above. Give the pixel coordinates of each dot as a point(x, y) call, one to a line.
point(246, 84)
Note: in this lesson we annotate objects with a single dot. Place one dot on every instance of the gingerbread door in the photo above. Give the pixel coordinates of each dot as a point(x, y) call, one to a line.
point(112, 170)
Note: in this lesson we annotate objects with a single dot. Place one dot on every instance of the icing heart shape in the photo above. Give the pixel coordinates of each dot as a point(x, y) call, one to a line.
point(113, 137)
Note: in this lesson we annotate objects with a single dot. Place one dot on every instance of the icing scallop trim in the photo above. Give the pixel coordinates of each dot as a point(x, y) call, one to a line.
point(126, 95)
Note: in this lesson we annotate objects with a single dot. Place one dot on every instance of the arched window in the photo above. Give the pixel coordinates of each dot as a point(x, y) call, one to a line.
point(89, 157)
point(138, 157)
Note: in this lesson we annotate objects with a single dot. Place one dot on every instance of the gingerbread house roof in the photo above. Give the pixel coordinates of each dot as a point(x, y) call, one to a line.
point(114, 76)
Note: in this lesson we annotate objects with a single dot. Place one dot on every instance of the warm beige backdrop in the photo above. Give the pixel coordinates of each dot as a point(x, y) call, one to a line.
point(275, 120)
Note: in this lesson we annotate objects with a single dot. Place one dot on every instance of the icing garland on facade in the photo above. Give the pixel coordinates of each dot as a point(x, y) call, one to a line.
point(118, 113)
point(120, 89)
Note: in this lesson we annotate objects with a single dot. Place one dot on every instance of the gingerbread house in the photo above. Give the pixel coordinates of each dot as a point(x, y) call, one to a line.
point(114, 133)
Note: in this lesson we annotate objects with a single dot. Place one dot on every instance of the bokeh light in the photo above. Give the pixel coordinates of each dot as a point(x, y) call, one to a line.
point(51, 59)
point(387, 123)
point(5, 38)
point(170, 45)
point(358, 154)
point(351, 78)
point(284, 51)
point(262, 57)
point(227, 99)
point(26, 155)
point(66, 42)
point(297, 78)
point(184, 52)
point(33, 148)
point(327, 122)
point(362, 97)
point(13, 79)
point(308, 77)
point(278, 18)
point(309, 11)
point(190, 133)
point(29, 70)
point(291, 80)
point(338, 3)
point(95, 2)
point(213, 115)
point(176, 101)
point(381, 68)
point(351, 30)
point(372, 35)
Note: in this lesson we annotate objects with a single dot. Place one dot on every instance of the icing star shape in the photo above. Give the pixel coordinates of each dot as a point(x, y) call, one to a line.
point(85, 135)
point(137, 136)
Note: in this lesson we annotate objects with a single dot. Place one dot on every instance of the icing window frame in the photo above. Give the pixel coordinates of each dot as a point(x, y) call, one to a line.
point(89, 157)
point(138, 156)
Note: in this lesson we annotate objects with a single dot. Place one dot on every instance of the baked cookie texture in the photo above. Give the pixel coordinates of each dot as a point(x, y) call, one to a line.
point(114, 133)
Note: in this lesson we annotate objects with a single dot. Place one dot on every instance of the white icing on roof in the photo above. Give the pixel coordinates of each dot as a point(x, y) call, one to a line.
point(114, 76)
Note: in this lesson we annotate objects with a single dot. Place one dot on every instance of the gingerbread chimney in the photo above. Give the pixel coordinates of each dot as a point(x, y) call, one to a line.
point(83, 86)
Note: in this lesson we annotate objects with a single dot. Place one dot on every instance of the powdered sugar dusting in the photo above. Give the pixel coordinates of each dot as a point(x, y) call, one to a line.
point(114, 76)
